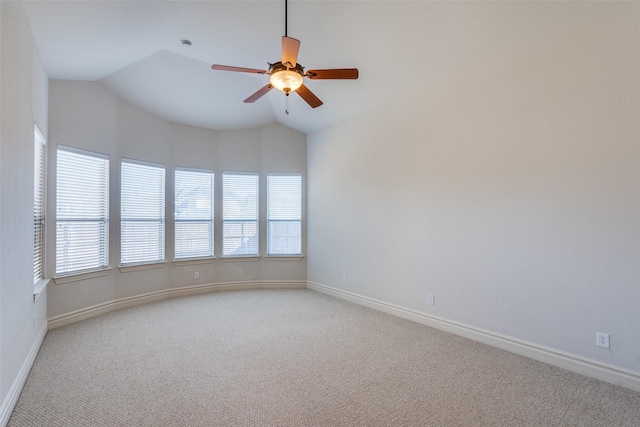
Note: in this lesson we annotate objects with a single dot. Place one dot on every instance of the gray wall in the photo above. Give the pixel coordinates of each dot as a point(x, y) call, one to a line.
point(85, 115)
point(508, 189)
point(23, 93)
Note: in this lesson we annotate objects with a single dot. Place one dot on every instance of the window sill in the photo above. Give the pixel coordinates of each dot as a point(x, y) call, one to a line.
point(248, 258)
point(140, 267)
point(39, 288)
point(81, 276)
point(284, 257)
point(193, 261)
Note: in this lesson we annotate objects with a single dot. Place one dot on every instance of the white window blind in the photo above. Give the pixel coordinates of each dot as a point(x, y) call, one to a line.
point(284, 214)
point(141, 213)
point(239, 214)
point(193, 213)
point(39, 204)
point(82, 211)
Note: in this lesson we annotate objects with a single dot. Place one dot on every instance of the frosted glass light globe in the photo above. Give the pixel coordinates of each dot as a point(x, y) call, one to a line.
point(286, 80)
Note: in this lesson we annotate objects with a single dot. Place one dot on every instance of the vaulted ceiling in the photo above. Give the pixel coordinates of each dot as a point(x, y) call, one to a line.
point(134, 49)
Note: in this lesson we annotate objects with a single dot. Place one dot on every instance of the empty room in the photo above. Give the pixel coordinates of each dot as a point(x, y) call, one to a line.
point(319, 213)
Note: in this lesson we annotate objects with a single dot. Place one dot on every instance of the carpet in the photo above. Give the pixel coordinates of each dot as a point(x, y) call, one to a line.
point(295, 358)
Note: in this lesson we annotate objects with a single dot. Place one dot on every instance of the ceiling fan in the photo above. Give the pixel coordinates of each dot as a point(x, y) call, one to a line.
point(287, 75)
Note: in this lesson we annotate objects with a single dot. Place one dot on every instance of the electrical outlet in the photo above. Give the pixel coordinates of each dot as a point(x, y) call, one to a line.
point(344, 279)
point(196, 275)
point(602, 340)
point(431, 299)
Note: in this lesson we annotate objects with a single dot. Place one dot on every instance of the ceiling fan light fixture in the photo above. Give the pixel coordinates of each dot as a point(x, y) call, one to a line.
point(286, 80)
point(287, 74)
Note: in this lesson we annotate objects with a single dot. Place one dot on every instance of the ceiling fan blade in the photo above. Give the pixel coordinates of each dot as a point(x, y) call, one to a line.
point(308, 96)
point(335, 73)
point(237, 69)
point(264, 89)
point(290, 48)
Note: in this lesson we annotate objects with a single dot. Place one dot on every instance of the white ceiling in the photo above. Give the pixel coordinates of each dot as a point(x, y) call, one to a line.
point(133, 49)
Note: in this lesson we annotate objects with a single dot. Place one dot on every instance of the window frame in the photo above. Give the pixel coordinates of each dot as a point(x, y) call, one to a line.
point(162, 221)
point(176, 220)
point(269, 220)
point(242, 221)
point(40, 279)
point(104, 195)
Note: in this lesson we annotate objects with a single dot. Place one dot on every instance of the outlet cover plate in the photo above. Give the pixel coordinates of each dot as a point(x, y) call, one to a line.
point(602, 340)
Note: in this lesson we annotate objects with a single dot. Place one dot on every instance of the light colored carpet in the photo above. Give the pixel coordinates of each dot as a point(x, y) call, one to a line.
point(295, 358)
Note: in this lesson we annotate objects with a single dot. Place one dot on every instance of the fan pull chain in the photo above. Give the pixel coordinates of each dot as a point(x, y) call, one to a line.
point(286, 104)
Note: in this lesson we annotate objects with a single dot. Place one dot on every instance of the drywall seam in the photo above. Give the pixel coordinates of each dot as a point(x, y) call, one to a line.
point(591, 368)
point(96, 310)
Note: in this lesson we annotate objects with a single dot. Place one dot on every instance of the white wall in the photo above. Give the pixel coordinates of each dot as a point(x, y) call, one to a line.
point(509, 190)
point(85, 115)
point(23, 102)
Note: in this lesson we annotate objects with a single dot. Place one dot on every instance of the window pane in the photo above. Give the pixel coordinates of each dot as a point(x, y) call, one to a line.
point(193, 214)
point(82, 212)
point(240, 238)
point(81, 244)
point(284, 214)
point(194, 239)
point(239, 214)
point(142, 242)
point(285, 237)
point(142, 213)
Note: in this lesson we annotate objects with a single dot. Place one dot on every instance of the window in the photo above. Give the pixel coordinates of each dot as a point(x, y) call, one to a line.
point(82, 211)
point(39, 204)
point(193, 214)
point(239, 214)
point(141, 213)
point(284, 214)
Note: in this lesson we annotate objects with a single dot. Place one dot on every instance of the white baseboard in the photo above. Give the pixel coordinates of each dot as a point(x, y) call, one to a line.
point(591, 368)
point(96, 310)
point(12, 396)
